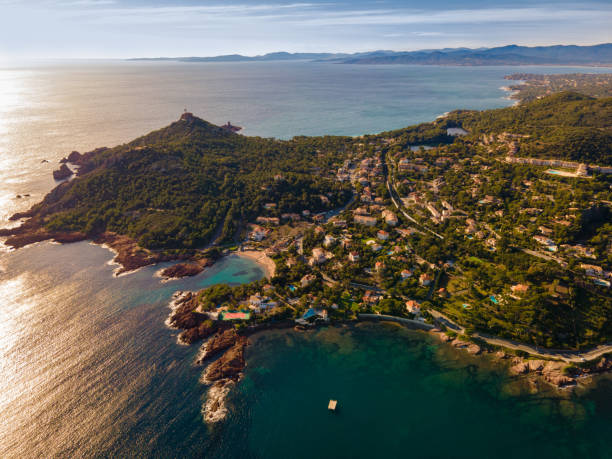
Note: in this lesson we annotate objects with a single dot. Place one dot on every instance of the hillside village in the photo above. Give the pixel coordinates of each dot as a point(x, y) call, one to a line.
point(498, 221)
point(463, 228)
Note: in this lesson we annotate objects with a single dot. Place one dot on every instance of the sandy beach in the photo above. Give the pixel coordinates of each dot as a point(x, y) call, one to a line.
point(266, 263)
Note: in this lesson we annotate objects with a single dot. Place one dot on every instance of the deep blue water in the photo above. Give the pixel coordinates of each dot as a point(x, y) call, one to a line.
point(88, 368)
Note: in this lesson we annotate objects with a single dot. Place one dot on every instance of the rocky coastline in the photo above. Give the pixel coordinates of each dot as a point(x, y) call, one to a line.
point(129, 255)
point(224, 349)
point(557, 373)
point(188, 269)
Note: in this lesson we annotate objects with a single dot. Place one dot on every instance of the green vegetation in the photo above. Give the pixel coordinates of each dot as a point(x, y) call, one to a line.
point(192, 182)
point(567, 126)
point(498, 245)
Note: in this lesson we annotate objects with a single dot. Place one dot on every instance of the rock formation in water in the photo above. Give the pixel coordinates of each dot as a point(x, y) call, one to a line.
point(62, 173)
point(229, 365)
point(218, 343)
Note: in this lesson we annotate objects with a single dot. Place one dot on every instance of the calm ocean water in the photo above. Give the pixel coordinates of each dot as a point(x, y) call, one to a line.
point(87, 367)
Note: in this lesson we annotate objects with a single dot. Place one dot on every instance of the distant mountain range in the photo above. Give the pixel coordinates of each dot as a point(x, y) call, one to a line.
point(596, 55)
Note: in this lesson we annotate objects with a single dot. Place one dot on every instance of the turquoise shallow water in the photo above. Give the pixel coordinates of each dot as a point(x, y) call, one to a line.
point(87, 367)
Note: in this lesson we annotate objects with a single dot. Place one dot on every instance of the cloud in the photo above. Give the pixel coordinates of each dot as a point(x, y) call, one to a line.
point(313, 14)
point(87, 3)
point(181, 27)
point(460, 16)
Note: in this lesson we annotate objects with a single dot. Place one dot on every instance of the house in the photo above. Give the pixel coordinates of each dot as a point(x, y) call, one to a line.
point(268, 220)
point(447, 206)
point(434, 212)
point(340, 223)
point(270, 206)
point(307, 280)
point(406, 232)
point(545, 231)
point(375, 247)
point(471, 226)
point(519, 289)
point(406, 273)
point(353, 256)
point(378, 266)
point(591, 270)
point(425, 279)
point(258, 233)
point(370, 297)
point(382, 235)
point(255, 300)
point(364, 220)
point(312, 315)
point(549, 243)
point(318, 256)
point(413, 307)
point(329, 240)
point(389, 217)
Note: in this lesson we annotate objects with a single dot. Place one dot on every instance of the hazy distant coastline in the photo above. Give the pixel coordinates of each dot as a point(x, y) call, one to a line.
point(595, 55)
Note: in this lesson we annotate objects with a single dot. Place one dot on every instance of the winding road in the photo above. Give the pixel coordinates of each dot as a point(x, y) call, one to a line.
point(560, 354)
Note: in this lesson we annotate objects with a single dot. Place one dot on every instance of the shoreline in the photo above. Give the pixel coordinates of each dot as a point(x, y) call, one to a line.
point(263, 261)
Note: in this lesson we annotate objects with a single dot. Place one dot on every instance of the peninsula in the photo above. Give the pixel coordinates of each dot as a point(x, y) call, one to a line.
point(492, 228)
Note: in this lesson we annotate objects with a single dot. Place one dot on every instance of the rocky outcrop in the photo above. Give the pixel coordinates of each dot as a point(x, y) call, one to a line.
point(183, 313)
point(520, 368)
point(197, 333)
point(62, 173)
point(229, 365)
point(186, 269)
point(441, 335)
point(75, 157)
point(196, 326)
point(215, 410)
point(552, 372)
point(604, 364)
point(218, 343)
point(474, 349)
point(129, 254)
point(458, 343)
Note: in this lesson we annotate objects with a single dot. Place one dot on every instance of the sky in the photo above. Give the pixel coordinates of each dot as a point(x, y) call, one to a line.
point(153, 28)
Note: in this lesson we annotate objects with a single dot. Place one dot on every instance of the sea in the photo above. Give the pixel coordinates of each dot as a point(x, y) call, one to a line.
point(88, 367)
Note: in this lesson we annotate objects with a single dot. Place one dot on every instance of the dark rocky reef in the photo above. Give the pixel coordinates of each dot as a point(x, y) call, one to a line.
point(230, 364)
point(187, 269)
point(218, 343)
point(62, 173)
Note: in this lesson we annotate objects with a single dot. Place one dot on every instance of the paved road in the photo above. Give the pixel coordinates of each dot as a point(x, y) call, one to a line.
point(397, 206)
point(568, 356)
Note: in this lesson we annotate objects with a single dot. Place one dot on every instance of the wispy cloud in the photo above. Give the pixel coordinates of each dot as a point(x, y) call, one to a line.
point(459, 16)
point(180, 27)
point(323, 14)
point(87, 3)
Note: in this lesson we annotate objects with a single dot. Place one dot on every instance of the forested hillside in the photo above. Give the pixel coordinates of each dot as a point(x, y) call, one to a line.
point(562, 126)
point(180, 186)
